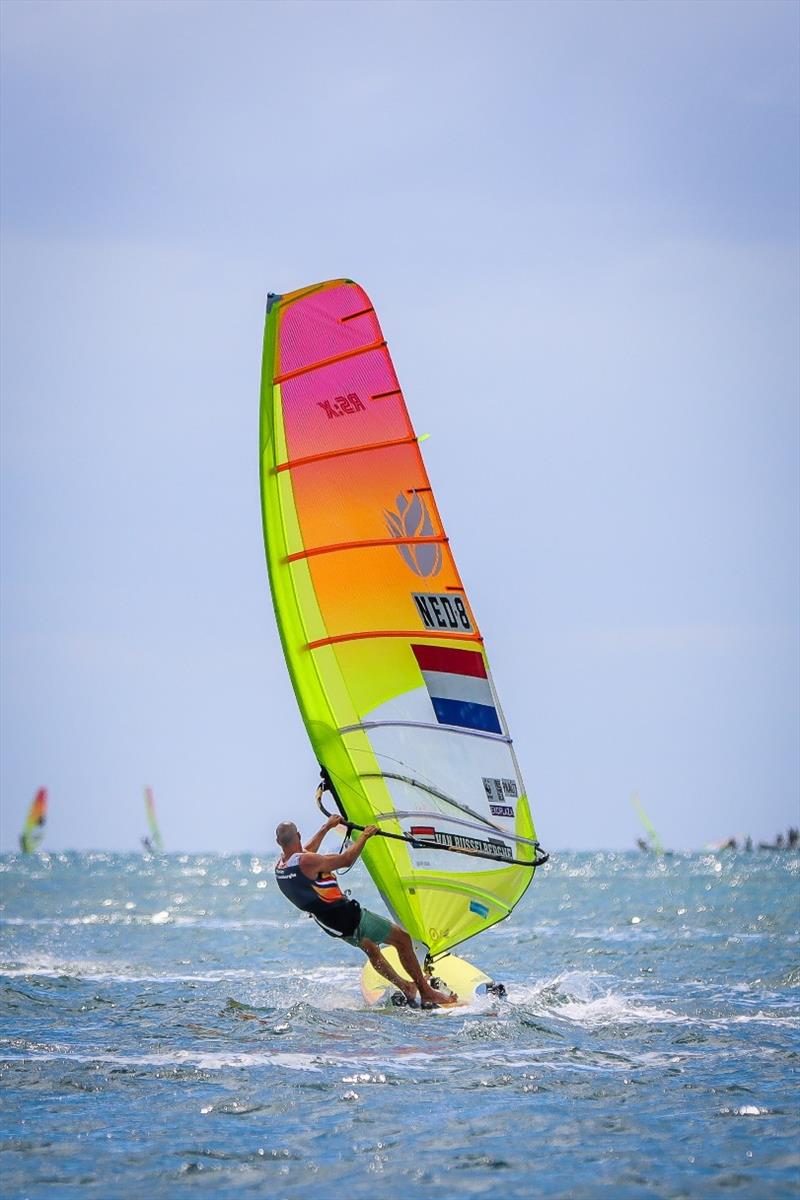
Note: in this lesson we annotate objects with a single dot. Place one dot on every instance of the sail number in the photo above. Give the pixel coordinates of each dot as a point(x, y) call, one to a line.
point(341, 406)
point(440, 611)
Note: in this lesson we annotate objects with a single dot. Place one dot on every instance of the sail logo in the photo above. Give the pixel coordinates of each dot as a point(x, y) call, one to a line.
point(498, 792)
point(494, 848)
point(438, 935)
point(458, 686)
point(440, 611)
point(412, 520)
point(341, 406)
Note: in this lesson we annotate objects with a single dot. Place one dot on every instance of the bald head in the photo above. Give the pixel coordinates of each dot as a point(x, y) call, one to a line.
point(286, 835)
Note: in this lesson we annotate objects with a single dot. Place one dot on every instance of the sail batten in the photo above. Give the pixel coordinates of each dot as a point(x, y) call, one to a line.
point(479, 733)
point(376, 634)
point(383, 648)
point(335, 358)
point(325, 455)
point(363, 545)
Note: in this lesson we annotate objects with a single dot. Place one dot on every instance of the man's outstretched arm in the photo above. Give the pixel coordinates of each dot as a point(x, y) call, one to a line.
point(314, 843)
point(313, 865)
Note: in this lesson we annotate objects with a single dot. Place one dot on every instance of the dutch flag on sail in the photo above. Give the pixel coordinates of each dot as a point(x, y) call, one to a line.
point(458, 687)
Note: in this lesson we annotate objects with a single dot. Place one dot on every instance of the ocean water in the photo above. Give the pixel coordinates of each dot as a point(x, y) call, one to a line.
point(171, 1027)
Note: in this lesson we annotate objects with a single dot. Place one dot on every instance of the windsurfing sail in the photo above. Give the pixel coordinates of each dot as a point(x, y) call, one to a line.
point(655, 841)
point(33, 830)
point(382, 644)
point(153, 843)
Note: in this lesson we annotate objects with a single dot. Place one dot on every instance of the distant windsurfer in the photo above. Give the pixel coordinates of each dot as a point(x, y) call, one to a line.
point(306, 879)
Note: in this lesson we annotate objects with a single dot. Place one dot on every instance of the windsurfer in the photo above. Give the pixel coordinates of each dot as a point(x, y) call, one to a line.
point(306, 879)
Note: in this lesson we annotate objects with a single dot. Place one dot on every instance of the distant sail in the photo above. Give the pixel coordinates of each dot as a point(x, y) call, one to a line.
point(382, 644)
point(655, 840)
point(33, 830)
point(154, 842)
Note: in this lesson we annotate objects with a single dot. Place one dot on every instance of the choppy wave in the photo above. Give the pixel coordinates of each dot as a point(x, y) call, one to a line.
point(162, 917)
point(643, 998)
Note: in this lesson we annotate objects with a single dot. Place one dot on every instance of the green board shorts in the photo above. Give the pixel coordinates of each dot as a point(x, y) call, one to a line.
point(377, 929)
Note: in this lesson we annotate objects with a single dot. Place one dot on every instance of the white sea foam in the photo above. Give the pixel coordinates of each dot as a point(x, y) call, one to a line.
point(157, 917)
point(200, 1060)
point(358, 1060)
point(326, 987)
point(45, 966)
point(75, 971)
point(588, 998)
point(594, 1000)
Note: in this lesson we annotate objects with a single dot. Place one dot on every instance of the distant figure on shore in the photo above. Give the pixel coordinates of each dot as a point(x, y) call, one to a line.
point(790, 842)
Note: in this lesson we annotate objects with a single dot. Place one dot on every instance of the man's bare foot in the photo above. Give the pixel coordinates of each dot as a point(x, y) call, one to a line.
point(409, 990)
point(435, 997)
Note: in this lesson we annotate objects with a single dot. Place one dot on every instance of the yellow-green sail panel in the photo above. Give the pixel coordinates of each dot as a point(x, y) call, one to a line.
point(381, 642)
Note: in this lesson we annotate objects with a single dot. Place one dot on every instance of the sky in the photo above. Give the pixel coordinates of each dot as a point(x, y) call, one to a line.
point(578, 223)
